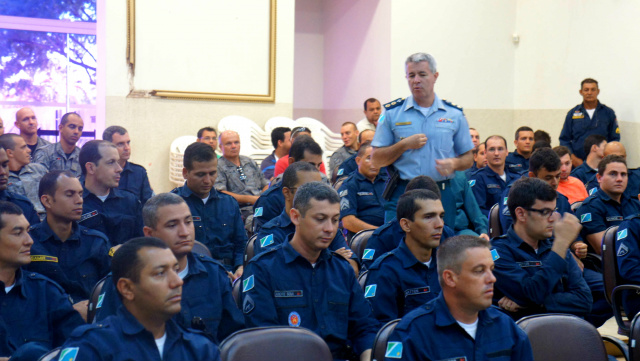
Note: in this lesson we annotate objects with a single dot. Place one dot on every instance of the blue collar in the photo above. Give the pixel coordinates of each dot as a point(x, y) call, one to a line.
point(407, 258)
point(186, 192)
point(444, 318)
point(291, 254)
point(543, 245)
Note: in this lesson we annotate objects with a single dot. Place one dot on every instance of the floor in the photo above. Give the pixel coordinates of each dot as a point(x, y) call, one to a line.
point(610, 328)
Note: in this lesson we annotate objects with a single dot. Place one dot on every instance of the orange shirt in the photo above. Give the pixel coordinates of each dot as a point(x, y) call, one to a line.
point(283, 163)
point(573, 189)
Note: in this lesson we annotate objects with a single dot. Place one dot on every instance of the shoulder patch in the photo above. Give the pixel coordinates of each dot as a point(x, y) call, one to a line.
point(258, 212)
point(266, 240)
point(394, 350)
point(452, 104)
point(368, 254)
point(69, 354)
point(494, 254)
point(370, 291)
point(585, 218)
point(592, 191)
point(247, 284)
point(340, 172)
point(344, 193)
point(393, 104)
point(472, 183)
point(622, 234)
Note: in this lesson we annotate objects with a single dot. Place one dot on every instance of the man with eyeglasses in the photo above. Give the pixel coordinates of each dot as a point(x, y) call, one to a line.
point(533, 265)
point(208, 135)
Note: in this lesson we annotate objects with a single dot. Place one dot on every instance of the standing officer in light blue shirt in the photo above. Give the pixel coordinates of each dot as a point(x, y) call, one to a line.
point(422, 134)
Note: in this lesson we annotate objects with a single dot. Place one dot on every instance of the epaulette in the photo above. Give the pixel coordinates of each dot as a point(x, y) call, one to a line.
point(452, 104)
point(205, 258)
point(267, 251)
point(93, 232)
point(379, 260)
point(637, 215)
point(394, 104)
point(81, 330)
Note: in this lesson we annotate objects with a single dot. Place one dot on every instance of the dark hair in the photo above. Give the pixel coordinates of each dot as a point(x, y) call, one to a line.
point(7, 141)
point(197, 152)
point(290, 176)
point(90, 152)
point(588, 80)
point(593, 139)
point(363, 132)
point(109, 132)
point(523, 129)
point(611, 158)
point(277, 134)
point(65, 118)
point(150, 209)
point(370, 100)
point(423, 182)
point(539, 145)
point(452, 253)
point(408, 205)
point(363, 148)
point(296, 130)
point(475, 150)
point(126, 262)
point(49, 182)
point(561, 151)
point(541, 135)
point(301, 144)
point(544, 158)
point(351, 124)
point(8, 208)
point(525, 191)
point(206, 129)
point(496, 137)
point(313, 190)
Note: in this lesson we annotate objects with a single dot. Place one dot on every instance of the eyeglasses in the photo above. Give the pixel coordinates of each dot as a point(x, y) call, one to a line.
point(545, 212)
point(243, 177)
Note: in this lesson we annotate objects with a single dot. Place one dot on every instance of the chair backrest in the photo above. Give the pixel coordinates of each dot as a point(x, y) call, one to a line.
point(609, 262)
point(176, 155)
point(380, 342)
point(563, 337)
point(51, 355)
point(274, 344)
point(495, 228)
point(248, 250)
point(235, 291)
point(95, 300)
point(362, 279)
point(359, 242)
point(338, 183)
point(276, 122)
point(575, 206)
point(634, 340)
point(200, 248)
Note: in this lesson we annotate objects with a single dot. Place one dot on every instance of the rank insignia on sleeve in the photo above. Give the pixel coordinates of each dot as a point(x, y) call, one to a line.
point(266, 240)
point(622, 234)
point(294, 319)
point(394, 350)
point(622, 250)
point(585, 218)
point(368, 254)
point(247, 284)
point(69, 354)
point(617, 130)
point(370, 291)
point(258, 212)
point(344, 204)
point(494, 254)
point(248, 305)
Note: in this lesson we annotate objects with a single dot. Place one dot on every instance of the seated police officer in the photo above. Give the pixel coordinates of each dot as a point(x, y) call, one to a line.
point(74, 256)
point(35, 312)
point(302, 284)
point(216, 216)
point(361, 202)
point(460, 323)
point(628, 258)
point(349, 165)
point(207, 301)
point(534, 267)
point(479, 159)
point(633, 175)
point(489, 182)
point(518, 160)
point(5, 195)
point(406, 278)
point(106, 208)
point(608, 206)
point(133, 176)
point(145, 273)
point(594, 149)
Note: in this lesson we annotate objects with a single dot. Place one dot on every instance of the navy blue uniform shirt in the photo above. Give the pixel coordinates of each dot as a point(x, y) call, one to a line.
point(628, 259)
point(119, 216)
point(121, 337)
point(584, 172)
point(431, 333)
point(487, 186)
point(633, 184)
point(362, 198)
point(134, 178)
point(562, 206)
point(24, 203)
point(218, 225)
point(578, 126)
point(268, 206)
point(348, 166)
point(599, 212)
point(76, 264)
point(398, 283)
point(206, 294)
point(516, 162)
point(282, 288)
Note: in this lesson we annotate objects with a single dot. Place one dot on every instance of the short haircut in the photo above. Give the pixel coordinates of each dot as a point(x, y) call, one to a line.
point(49, 182)
point(295, 131)
point(544, 158)
point(351, 124)
point(313, 190)
point(561, 151)
point(408, 202)
point(363, 149)
point(423, 182)
point(588, 80)
point(8, 208)
point(109, 132)
point(301, 144)
point(277, 134)
point(370, 100)
point(475, 150)
point(496, 137)
point(150, 209)
point(90, 152)
point(290, 176)
point(540, 134)
point(590, 141)
point(65, 118)
point(126, 262)
point(8, 141)
point(420, 57)
point(206, 129)
point(453, 253)
point(197, 152)
point(363, 132)
point(470, 128)
point(539, 145)
point(611, 158)
point(525, 191)
point(522, 129)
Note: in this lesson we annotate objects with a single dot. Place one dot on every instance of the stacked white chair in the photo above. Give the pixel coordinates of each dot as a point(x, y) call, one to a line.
point(254, 141)
point(276, 122)
point(176, 153)
point(328, 140)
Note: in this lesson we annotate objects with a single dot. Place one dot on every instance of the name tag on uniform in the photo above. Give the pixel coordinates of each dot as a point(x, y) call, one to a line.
point(577, 115)
point(461, 358)
point(88, 215)
point(365, 193)
point(416, 291)
point(529, 264)
point(403, 123)
point(38, 258)
point(196, 218)
point(614, 218)
point(286, 294)
point(493, 185)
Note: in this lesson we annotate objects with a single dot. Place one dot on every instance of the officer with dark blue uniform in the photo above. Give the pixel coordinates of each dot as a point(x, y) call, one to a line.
point(633, 184)
point(347, 167)
point(584, 172)
point(628, 259)
point(268, 206)
point(516, 161)
point(562, 207)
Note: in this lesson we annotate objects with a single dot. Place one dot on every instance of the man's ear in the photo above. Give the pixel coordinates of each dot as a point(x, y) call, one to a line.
point(125, 287)
point(47, 201)
point(184, 173)
point(295, 216)
point(450, 278)
point(91, 167)
point(520, 214)
point(148, 231)
point(404, 224)
point(291, 160)
point(9, 153)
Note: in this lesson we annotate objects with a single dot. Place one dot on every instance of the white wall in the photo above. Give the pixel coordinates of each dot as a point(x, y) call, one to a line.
point(308, 81)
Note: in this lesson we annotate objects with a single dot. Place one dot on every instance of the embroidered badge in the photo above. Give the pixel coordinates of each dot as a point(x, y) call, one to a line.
point(294, 319)
point(100, 299)
point(494, 254)
point(504, 202)
point(370, 291)
point(340, 171)
point(69, 354)
point(416, 291)
point(394, 350)
point(472, 183)
point(258, 212)
point(196, 218)
point(38, 258)
point(266, 241)
point(622, 234)
point(592, 191)
point(403, 123)
point(344, 193)
point(623, 250)
point(585, 218)
point(248, 305)
point(360, 194)
point(344, 204)
point(112, 250)
point(247, 284)
point(368, 254)
point(445, 120)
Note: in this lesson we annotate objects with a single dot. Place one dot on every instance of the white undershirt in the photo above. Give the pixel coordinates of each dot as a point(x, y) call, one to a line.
point(470, 328)
point(424, 111)
point(102, 198)
point(204, 200)
point(182, 274)
point(160, 343)
point(504, 177)
point(428, 263)
point(8, 289)
point(591, 112)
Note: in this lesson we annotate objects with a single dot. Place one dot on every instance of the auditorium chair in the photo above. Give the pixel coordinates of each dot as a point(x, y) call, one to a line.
point(200, 248)
point(495, 228)
point(359, 241)
point(248, 250)
point(94, 300)
point(380, 342)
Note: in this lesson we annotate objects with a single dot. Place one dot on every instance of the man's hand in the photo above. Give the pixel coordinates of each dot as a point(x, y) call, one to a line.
point(82, 307)
point(579, 262)
point(485, 236)
point(445, 166)
point(508, 305)
point(345, 253)
point(365, 355)
point(238, 273)
point(566, 231)
point(415, 141)
point(580, 249)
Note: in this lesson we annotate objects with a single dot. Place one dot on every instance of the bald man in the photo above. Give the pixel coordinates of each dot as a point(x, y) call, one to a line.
point(27, 123)
point(633, 183)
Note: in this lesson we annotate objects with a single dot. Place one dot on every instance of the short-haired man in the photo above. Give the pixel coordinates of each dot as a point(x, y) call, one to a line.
point(145, 273)
point(133, 177)
point(216, 216)
point(27, 123)
point(594, 148)
point(589, 117)
point(406, 278)
point(5, 195)
point(475, 137)
point(479, 159)
point(571, 187)
point(107, 209)
point(64, 155)
point(349, 165)
point(24, 176)
point(281, 140)
point(534, 267)
point(209, 136)
point(35, 314)
point(349, 134)
point(372, 111)
point(518, 160)
point(541, 136)
point(633, 179)
point(609, 206)
point(72, 255)
point(207, 301)
point(361, 202)
point(489, 182)
point(283, 162)
point(460, 323)
point(302, 284)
